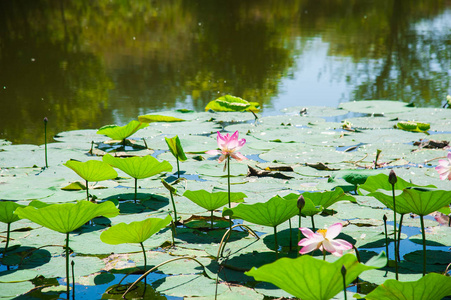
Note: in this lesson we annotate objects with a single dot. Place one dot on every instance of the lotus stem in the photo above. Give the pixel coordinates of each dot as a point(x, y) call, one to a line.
point(228, 189)
point(87, 191)
point(178, 167)
point(45, 141)
point(276, 247)
point(145, 257)
point(226, 234)
point(173, 205)
point(399, 236)
point(8, 232)
point(173, 232)
point(394, 235)
point(313, 223)
point(136, 189)
point(357, 254)
point(424, 244)
point(299, 234)
point(386, 235)
point(291, 234)
point(343, 273)
point(156, 267)
point(67, 265)
point(211, 219)
point(324, 254)
point(73, 279)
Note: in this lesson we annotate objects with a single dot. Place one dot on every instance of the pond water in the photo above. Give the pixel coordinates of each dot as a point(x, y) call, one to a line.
point(85, 64)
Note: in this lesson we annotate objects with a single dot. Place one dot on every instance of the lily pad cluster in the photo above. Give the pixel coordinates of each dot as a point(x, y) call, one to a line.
point(342, 175)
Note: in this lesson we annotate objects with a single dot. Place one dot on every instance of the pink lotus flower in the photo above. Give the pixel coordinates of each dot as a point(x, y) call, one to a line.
point(323, 239)
point(229, 145)
point(444, 168)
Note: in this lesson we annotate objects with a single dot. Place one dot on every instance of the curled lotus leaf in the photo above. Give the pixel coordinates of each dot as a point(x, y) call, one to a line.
point(92, 170)
point(119, 133)
point(138, 167)
point(212, 201)
point(380, 181)
point(232, 103)
point(273, 212)
point(67, 217)
point(7, 209)
point(175, 146)
point(326, 199)
point(307, 277)
point(135, 232)
point(433, 286)
point(158, 118)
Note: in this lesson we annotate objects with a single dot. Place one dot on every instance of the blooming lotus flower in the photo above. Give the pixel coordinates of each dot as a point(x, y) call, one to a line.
point(229, 146)
point(323, 239)
point(444, 168)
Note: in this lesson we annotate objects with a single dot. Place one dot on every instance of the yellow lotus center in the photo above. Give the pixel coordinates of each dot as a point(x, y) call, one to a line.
point(322, 231)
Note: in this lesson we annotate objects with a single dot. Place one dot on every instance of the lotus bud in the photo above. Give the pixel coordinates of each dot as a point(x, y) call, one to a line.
point(384, 218)
point(343, 270)
point(301, 203)
point(392, 178)
point(46, 120)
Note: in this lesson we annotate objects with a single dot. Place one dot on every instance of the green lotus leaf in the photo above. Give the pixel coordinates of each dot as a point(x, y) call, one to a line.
point(415, 201)
point(169, 187)
point(355, 177)
point(135, 232)
point(376, 106)
point(158, 118)
point(232, 103)
point(413, 126)
point(67, 217)
point(273, 212)
point(138, 167)
point(326, 199)
point(433, 286)
point(7, 209)
point(92, 170)
point(119, 133)
point(307, 277)
point(176, 148)
point(309, 209)
point(212, 201)
point(380, 181)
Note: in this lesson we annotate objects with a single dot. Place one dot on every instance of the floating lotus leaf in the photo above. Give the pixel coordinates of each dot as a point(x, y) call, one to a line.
point(355, 177)
point(418, 202)
point(138, 167)
point(119, 133)
point(271, 213)
point(176, 148)
point(135, 232)
point(231, 103)
point(376, 106)
point(17, 275)
point(92, 170)
point(158, 118)
point(413, 126)
point(7, 209)
point(306, 277)
point(67, 217)
point(380, 181)
point(433, 286)
point(212, 201)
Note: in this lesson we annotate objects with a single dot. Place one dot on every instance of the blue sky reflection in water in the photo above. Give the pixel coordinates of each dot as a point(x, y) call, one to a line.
point(85, 64)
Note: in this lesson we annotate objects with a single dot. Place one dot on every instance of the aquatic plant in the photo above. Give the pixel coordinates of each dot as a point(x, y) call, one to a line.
point(7, 216)
point(120, 133)
point(232, 103)
point(45, 140)
point(138, 167)
point(444, 167)
point(175, 146)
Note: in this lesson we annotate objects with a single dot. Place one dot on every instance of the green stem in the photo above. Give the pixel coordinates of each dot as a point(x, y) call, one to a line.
point(399, 235)
point(344, 283)
point(45, 142)
point(87, 191)
point(324, 254)
point(394, 235)
point(228, 190)
point(275, 241)
point(313, 224)
point(173, 232)
point(8, 230)
point(211, 220)
point(73, 279)
point(299, 234)
point(424, 244)
point(173, 205)
point(291, 238)
point(386, 236)
point(178, 167)
point(145, 258)
point(67, 265)
point(136, 188)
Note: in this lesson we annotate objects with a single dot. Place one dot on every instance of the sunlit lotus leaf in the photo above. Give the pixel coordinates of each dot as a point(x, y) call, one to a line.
point(119, 133)
point(138, 167)
point(416, 201)
point(158, 118)
point(67, 217)
point(176, 148)
point(376, 106)
point(7, 209)
point(307, 277)
point(413, 126)
point(74, 186)
point(356, 177)
point(92, 170)
point(326, 199)
point(433, 286)
point(309, 209)
point(135, 232)
point(271, 213)
point(212, 201)
point(380, 181)
point(17, 275)
point(231, 103)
